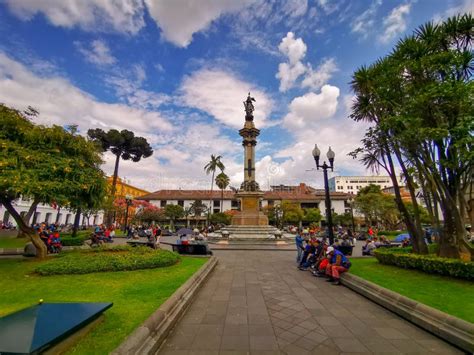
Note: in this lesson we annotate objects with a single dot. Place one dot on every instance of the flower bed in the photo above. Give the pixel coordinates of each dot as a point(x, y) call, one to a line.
point(431, 264)
point(103, 259)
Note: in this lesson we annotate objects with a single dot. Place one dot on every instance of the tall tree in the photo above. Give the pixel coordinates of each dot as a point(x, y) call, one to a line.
point(123, 145)
point(47, 165)
point(222, 181)
point(197, 208)
point(173, 212)
point(211, 167)
point(421, 100)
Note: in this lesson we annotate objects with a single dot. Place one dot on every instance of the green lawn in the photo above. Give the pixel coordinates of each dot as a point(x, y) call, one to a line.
point(453, 296)
point(12, 242)
point(135, 294)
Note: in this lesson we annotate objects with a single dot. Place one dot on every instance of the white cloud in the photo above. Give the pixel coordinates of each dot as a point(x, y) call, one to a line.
point(363, 23)
point(221, 95)
point(125, 16)
point(98, 52)
point(295, 50)
point(306, 111)
point(395, 23)
point(180, 19)
point(59, 102)
point(462, 7)
point(315, 79)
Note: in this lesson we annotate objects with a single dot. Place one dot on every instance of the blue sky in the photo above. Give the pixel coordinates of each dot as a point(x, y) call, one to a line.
point(177, 71)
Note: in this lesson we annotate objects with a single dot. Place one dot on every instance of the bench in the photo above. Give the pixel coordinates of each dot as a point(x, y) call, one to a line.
point(135, 243)
point(345, 249)
point(190, 249)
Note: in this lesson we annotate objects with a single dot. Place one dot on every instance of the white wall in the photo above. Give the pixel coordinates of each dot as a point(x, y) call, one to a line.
point(44, 212)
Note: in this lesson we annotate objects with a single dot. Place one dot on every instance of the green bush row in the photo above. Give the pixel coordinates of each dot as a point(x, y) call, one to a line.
point(76, 241)
point(107, 259)
point(428, 263)
point(391, 233)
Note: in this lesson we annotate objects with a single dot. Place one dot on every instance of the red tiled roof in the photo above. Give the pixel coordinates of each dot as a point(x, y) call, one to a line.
point(297, 195)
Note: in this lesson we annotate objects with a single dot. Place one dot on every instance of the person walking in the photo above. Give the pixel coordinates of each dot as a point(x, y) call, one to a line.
point(299, 247)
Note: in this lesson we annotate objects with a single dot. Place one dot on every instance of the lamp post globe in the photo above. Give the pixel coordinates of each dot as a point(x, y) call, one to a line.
point(331, 155)
point(316, 154)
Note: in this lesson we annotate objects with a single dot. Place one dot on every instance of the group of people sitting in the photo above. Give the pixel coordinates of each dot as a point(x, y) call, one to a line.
point(49, 234)
point(103, 234)
point(373, 243)
point(322, 259)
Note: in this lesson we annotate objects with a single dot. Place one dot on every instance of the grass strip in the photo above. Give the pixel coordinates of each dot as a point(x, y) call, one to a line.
point(450, 295)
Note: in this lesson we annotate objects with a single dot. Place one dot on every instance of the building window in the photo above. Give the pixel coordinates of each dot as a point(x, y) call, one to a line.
point(163, 203)
point(68, 218)
point(271, 203)
point(234, 204)
point(181, 203)
point(217, 203)
point(216, 210)
point(47, 219)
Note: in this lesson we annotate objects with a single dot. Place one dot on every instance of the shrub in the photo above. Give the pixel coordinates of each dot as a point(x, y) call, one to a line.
point(70, 241)
point(121, 258)
point(391, 233)
point(431, 264)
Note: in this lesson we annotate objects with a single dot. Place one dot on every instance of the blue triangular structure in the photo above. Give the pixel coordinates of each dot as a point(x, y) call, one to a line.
point(37, 328)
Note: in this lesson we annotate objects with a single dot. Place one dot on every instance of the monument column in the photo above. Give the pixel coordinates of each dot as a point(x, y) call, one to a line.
point(249, 192)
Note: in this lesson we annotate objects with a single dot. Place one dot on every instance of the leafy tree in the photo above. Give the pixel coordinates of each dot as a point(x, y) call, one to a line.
point(343, 219)
point(173, 212)
point(292, 212)
point(420, 99)
point(222, 181)
point(220, 218)
point(211, 167)
point(47, 165)
point(123, 145)
point(312, 215)
point(197, 208)
point(149, 214)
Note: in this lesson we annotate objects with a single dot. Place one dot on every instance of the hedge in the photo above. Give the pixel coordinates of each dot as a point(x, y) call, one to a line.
point(391, 233)
point(428, 263)
point(76, 241)
point(106, 259)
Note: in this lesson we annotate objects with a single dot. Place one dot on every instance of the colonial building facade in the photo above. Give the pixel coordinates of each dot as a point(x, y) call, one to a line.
point(303, 195)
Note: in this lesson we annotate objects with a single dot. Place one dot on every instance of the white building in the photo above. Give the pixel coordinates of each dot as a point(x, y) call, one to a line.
point(352, 184)
point(305, 196)
point(47, 214)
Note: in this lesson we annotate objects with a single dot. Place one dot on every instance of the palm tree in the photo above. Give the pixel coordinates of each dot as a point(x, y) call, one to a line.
point(211, 167)
point(222, 181)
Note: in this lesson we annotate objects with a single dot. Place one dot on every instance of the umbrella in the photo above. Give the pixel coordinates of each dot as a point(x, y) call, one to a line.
point(184, 231)
point(401, 237)
point(37, 328)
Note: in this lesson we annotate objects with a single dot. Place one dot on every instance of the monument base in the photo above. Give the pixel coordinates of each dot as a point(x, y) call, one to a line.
point(250, 214)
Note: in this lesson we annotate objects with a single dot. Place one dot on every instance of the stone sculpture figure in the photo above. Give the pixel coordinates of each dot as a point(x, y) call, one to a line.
point(249, 108)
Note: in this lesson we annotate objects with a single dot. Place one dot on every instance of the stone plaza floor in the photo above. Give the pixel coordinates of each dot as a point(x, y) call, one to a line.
point(257, 302)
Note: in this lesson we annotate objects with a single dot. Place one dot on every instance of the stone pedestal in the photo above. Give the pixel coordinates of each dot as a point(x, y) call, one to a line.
point(250, 214)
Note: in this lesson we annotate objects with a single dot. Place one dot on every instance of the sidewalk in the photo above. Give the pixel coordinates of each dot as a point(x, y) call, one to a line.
point(257, 302)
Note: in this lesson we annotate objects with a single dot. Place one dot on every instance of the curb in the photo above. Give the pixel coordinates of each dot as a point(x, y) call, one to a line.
point(149, 336)
point(21, 251)
point(452, 329)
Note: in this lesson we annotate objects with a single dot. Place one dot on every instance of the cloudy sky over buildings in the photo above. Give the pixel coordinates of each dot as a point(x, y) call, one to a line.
point(177, 72)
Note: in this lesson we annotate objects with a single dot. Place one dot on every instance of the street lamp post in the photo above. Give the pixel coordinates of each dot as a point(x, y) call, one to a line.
point(330, 154)
point(351, 203)
point(128, 202)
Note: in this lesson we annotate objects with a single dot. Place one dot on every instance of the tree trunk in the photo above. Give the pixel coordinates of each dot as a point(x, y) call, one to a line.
point(57, 215)
point(110, 215)
point(76, 222)
point(27, 218)
point(41, 250)
point(222, 200)
point(210, 199)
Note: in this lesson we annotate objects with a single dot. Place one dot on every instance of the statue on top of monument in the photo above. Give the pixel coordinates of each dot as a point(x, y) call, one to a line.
point(249, 108)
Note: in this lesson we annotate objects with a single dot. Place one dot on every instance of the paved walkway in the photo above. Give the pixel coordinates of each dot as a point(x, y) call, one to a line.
point(259, 303)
